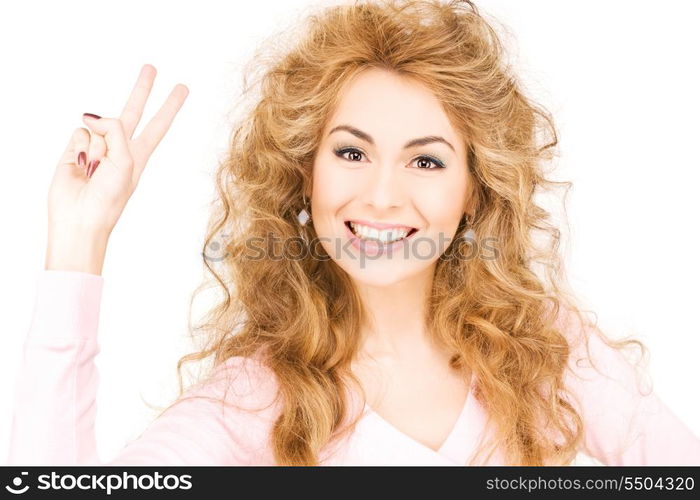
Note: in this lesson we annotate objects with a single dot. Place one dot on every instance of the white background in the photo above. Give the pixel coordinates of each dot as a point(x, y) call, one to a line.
point(621, 79)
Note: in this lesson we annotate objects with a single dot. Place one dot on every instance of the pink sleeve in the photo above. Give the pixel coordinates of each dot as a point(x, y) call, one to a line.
point(54, 407)
point(625, 421)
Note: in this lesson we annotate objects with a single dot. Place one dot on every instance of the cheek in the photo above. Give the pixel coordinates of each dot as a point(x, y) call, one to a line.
point(331, 190)
point(442, 203)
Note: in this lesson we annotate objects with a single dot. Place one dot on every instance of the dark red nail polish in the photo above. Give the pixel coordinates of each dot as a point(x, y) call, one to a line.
point(91, 115)
point(82, 158)
point(92, 167)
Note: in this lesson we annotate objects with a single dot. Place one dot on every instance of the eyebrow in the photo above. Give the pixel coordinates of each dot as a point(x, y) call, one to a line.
point(421, 141)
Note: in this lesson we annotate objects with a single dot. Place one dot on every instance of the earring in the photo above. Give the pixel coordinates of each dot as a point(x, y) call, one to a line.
point(469, 235)
point(304, 216)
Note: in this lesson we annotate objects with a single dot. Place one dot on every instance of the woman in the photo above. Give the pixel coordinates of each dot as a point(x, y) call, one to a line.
point(393, 293)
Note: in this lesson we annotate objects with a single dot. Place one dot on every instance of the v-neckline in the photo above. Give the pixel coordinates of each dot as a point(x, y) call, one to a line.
point(450, 436)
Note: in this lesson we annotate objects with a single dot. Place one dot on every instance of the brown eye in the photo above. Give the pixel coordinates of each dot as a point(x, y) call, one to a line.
point(355, 152)
point(427, 160)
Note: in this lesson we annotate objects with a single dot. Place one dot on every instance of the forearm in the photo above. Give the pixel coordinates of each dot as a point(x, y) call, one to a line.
point(56, 389)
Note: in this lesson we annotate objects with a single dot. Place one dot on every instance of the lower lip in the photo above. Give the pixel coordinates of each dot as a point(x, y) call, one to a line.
point(374, 248)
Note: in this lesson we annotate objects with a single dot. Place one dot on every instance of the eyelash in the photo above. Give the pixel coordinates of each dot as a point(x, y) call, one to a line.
point(340, 151)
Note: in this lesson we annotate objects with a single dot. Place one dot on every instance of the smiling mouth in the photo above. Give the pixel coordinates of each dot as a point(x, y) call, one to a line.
point(383, 236)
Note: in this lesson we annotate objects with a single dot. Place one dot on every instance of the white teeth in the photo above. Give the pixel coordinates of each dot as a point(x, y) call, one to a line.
point(382, 235)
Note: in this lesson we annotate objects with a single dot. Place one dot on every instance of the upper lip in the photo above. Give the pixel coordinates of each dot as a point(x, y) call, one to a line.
point(380, 225)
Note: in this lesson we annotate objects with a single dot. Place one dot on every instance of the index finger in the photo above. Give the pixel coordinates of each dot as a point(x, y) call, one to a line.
point(133, 109)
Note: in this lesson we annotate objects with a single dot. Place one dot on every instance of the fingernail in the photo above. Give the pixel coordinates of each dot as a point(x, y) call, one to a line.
point(92, 167)
point(82, 158)
point(91, 115)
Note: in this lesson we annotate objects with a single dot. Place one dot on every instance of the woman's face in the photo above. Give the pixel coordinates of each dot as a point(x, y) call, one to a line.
point(389, 163)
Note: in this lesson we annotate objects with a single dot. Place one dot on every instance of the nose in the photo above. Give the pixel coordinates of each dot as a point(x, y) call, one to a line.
point(383, 187)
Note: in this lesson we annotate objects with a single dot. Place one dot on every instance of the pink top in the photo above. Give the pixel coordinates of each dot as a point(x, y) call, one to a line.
point(54, 412)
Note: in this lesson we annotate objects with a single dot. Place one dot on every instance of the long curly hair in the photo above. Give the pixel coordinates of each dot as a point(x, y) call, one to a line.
point(499, 317)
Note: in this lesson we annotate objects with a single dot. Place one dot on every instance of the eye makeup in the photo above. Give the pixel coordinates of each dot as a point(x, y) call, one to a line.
point(340, 150)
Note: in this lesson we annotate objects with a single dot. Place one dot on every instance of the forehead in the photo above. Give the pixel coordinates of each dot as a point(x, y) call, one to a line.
point(391, 108)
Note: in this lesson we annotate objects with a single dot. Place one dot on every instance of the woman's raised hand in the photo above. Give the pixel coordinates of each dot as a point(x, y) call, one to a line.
point(86, 199)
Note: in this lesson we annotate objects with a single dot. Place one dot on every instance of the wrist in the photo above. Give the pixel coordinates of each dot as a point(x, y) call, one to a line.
point(76, 249)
